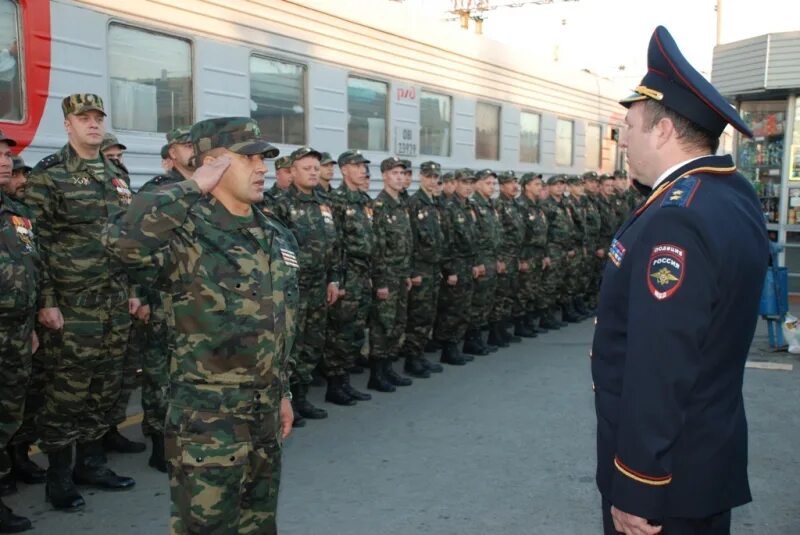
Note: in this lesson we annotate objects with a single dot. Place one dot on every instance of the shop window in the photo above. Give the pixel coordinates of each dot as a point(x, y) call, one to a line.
point(11, 84)
point(594, 147)
point(278, 99)
point(529, 131)
point(151, 80)
point(434, 120)
point(367, 111)
point(487, 131)
point(564, 142)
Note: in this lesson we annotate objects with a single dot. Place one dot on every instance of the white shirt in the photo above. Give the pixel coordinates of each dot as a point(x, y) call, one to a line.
point(672, 169)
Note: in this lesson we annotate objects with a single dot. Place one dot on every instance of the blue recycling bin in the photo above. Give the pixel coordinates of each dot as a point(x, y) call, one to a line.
point(775, 299)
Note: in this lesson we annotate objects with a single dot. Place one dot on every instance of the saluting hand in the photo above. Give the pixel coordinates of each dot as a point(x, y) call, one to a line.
point(208, 175)
point(631, 524)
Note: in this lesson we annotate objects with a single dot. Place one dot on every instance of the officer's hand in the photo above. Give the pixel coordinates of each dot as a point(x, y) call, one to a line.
point(34, 342)
point(416, 281)
point(631, 524)
point(452, 280)
point(208, 175)
point(51, 318)
point(143, 314)
point(333, 293)
point(287, 418)
point(501, 267)
point(600, 253)
point(134, 303)
point(382, 293)
point(546, 262)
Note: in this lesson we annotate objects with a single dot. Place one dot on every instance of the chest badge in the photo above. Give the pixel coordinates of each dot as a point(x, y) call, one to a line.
point(289, 258)
point(665, 270)
point(123, 192)
point(616, 252)
point(24, 230)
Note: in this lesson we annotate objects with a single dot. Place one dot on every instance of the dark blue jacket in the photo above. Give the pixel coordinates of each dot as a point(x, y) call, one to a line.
point(678, 307)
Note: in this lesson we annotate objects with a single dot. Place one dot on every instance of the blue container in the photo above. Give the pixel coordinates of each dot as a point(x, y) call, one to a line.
point(775, 295)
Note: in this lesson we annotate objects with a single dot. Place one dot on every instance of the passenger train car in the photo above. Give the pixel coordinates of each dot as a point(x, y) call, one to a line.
point(366, 74)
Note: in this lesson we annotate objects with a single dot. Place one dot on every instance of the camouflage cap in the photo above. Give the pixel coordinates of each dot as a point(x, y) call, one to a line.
point(620, 173)
point(110, 140)
point(351, 156)
point(7, 140)
point(237, 134)
point(506, 177)
point(80, 103)
point(591, 175)
point(555, 179)
point(485, 173)
point(465, 174)
point(529, 177)
point(391, 162)
point(18, 163)
point(284, 162)
point(302, 152)
point(448, 177)
point(326, 158)
point(606, 176)
point(179, 135)
point(430, 168)
point(574, 180)
point(164, 152)
point(407, 165)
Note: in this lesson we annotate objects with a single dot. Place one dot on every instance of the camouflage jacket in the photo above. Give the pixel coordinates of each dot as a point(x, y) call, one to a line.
point(462, 235)
point(310, 218)
point(426, 226)
point(233, 285)
point(19, 260)
point(489, 231)
point(609, 221)
point(560, 226)
point(593, 222)
point(620, 204)
point(512, 220)
point(535, 241)
point(394, 247)
point(271, 196)
point(160, 181)
point(352, 212)
point(71, 206)
point(578, 212)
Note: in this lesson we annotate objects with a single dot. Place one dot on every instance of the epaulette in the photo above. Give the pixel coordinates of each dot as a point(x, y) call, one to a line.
point(49, 161)
point(682, 193)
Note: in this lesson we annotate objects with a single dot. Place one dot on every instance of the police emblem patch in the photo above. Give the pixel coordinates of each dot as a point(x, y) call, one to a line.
point(665, 270)
point(616, 252)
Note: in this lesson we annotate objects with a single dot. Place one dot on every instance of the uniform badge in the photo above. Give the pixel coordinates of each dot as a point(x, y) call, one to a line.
point(24, 230)
point(327, 216)
point(80, 180)
point(350, 212)
point(682, 193)
point(421, 215)
point(368, 211)
point(289, 258)
point(665, 270)
point(616, 252)
point(123, 192)
point(460, 218)
point(472, 213)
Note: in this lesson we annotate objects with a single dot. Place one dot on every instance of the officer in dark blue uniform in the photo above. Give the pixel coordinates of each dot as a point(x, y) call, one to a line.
point(678, 307)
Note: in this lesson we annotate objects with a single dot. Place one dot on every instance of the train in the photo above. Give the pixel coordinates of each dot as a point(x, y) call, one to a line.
point(365, 74)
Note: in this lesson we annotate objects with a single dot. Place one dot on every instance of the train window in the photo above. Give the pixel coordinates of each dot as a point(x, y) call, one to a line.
point(435, 118)
point(594, 135)
point(529, 128)
point(366, 107)
point(11, 102)
point(564, 142)
point(151, 80)
point(278, 99)
point(487, 131)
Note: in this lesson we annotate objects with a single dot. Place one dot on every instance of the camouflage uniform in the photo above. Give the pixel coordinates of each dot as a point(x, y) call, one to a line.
point(560, 240)
point(595, 242)
point(234, 297)
point(533, 251)
point(488, 236)
point(274, 193)
point(579, 267)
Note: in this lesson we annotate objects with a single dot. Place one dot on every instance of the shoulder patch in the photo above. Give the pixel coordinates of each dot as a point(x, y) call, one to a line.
point(49, 161)
point(682, 193)
point(665, 270)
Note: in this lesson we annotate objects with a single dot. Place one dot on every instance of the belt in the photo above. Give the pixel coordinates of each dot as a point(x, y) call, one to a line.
point(215, 398)
point(93, 299)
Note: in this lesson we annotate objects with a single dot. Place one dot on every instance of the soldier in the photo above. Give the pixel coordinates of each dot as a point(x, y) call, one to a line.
point(113, 149)
point(283, 181)
point(597, 242)
point(426, 270)
point(391, 279)
point(166, 162)
point(19, 267)
point(347, 318)
point(487, 243)
point(229, 398)
point(580, 266)
point(408, 178)
point(608, 213)
point(459, 269)
point(448, 186)
point(326, 170)
point(307, 214)
point(16, 186)
point(85, 303)
point(561, 244)
point(533, 252)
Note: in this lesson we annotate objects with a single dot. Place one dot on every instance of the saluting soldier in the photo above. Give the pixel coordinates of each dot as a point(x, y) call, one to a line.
point(85, 302)
point(678, 308)
point(426, 270)
point(19, 269)
point(231, 271)
point(308, 215)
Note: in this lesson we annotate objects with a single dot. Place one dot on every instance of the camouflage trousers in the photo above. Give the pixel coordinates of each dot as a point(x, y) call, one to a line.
point(15, 372)
point(483, 297)
point(532, 289)
point(85, 373)
point(34, 400)
point(387, 321)
point(224, 457)
point(455, 304)
point(137, 344)
point(421, 315)
point(347, 322)
point(559, 281)
point(507, 294)
point(585, 268)
point(312, 319)
point(155, 366)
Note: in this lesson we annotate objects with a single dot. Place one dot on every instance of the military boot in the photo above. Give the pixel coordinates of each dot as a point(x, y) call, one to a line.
point(303, 406)
point(534, 322)
point(548, 320)
point(451, 355)
point(336, 394)
point(507, 328)
point(414, 367)
point(355, 370)
point(22, 468)
point(11, 523)
point(521, 329)
point(114, 441)
point(568, 314)
point(433, 346)
point(158, 458)
point(90, 468)
point(59, 488)
point(580, 307)
point(472, 343)
point(556, 311)
point(377, 377)
point(298, 420)
point(8, 485)
point(395, 378)
point(496, 335)
point(352, 392)
point(431, 366)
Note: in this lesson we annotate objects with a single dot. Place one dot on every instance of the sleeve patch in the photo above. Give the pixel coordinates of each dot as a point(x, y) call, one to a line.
point(665, 270)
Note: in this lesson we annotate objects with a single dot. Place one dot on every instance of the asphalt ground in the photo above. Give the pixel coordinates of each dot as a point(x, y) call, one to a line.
point(504, 445)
